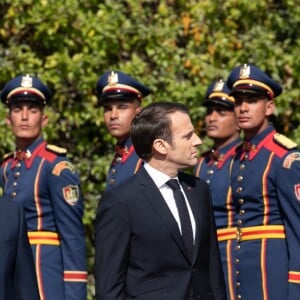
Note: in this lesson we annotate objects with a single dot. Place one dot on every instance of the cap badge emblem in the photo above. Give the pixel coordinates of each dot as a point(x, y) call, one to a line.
point(219, 85)
point(112, 78)
point(26, 81)
point(245, 71)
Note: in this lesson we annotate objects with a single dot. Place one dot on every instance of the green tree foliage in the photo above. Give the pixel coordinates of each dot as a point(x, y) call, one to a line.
point(176, 47)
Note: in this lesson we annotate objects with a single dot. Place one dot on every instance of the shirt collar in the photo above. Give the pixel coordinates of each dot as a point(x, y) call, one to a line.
point(158, 177)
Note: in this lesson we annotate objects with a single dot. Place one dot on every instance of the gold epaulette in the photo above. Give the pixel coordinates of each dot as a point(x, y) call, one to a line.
point(284, 141)
point(56, 149)
point(7, 155)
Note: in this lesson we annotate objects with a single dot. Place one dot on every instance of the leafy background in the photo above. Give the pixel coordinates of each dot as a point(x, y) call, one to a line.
point(176, 47)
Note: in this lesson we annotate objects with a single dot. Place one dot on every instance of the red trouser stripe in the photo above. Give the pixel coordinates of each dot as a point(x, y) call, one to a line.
point(294, 277)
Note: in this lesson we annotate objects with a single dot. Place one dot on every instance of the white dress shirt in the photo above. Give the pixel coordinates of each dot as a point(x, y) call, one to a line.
point(160, 180)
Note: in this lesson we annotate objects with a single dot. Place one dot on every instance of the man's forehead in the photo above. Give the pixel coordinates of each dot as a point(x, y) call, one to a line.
point(178, 118)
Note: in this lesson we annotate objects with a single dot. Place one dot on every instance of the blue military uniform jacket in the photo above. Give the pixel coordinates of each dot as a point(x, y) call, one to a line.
point(17, 272)
point(265, 180)
point(46, 185)
point(213, 167)
point(125, 163)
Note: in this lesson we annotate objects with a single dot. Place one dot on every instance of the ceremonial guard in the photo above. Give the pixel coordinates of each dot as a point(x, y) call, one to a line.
point(17, 272)
point(41, 178)
point(213, 167)
point(120, 96)
point(265, 181)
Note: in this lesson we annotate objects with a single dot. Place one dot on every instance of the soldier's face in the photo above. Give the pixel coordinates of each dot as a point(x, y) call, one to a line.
point(220, 123)
point(118, 115)
point(252, 112)
point(26, 121)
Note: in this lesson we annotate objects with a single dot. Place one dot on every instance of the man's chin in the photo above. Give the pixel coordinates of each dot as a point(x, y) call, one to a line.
point(213, 134)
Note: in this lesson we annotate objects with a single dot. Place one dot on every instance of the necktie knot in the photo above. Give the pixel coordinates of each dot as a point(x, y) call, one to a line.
point(248, 146)
point(121, 150)
point(173, 184)
point(216, 155)
point(22, 154)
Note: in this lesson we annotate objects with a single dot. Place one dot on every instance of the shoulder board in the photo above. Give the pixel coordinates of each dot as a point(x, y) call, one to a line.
point(56, 149)
point(284, 141)
point(7, 155)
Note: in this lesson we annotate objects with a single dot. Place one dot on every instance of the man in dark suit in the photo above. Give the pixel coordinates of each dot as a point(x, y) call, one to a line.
point(17, 273)
point(145, 248)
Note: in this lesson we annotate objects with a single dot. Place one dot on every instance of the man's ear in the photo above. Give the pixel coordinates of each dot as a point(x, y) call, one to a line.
point(160, 146)
point(7, 120)
point(44, 120)
point(270, 108)
point(138, 109)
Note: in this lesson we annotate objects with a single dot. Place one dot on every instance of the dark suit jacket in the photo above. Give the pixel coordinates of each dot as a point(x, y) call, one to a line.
point(17, 272)
point(139, 249)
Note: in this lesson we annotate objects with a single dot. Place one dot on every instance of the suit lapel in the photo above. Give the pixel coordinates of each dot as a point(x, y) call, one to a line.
point(153, 195)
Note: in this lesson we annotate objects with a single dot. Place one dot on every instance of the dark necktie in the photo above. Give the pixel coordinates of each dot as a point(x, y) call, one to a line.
point(185, 221)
